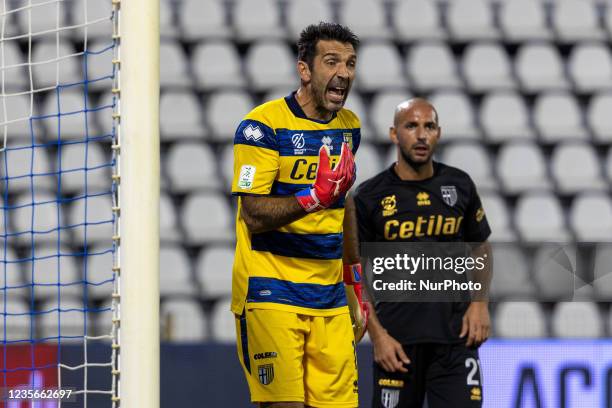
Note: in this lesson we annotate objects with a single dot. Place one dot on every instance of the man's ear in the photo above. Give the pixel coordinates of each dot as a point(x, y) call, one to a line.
point(304, 71)
point(439, 133)
point(393, 135)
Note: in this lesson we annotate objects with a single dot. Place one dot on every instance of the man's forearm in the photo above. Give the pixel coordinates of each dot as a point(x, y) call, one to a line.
point(268, 213)
point(350, 248)
point(485, 275)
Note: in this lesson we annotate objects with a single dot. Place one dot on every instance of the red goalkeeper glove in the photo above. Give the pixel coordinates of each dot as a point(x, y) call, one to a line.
point(359, 308)
point(329, 184)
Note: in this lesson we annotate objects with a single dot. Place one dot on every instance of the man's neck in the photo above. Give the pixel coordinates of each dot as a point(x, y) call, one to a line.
point(304, 98)
point(407, 172)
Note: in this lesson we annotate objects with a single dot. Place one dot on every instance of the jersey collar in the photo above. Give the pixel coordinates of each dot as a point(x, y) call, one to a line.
point(394, 175)
point(297, 110)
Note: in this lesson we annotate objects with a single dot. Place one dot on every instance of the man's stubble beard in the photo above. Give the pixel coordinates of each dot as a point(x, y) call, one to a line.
point(415, 165)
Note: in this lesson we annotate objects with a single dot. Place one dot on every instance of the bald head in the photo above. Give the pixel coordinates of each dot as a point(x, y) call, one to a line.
point(410, 104)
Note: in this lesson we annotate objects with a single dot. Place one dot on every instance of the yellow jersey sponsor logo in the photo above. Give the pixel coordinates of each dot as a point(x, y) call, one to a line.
point(475, 394)
point(432, 225)
point(389, 204)
point(307, 169)
point(480, 214)
point(389, 382)
point(423, 199)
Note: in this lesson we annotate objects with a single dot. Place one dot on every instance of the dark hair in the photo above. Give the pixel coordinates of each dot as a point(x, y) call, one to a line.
point(310, 36)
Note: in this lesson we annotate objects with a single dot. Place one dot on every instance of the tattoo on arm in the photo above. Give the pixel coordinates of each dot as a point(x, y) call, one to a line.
point(485, 275)
point(267, 213)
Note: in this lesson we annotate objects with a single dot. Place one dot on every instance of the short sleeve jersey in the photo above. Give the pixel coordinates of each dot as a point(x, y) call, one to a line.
point(297, 267)
point(443, 208)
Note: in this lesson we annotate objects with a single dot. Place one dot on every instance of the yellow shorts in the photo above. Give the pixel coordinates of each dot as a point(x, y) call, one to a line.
point(294, 357)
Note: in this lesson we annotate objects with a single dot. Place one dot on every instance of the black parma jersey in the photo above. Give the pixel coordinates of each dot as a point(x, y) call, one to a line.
point(443, 208)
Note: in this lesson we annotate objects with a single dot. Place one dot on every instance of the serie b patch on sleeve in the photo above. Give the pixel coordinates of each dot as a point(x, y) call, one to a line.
point(247, 175)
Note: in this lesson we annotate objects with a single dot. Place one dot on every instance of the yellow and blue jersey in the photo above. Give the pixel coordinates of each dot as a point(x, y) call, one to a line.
point(297, 267)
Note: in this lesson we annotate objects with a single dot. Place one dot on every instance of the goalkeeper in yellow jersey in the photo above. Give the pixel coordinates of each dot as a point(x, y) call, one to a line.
point(293, 164)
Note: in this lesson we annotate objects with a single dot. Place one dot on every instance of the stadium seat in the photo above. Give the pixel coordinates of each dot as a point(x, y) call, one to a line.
point(498, 217)
point(523, 20)
point(608, 165)
point(100, 318)
point(602, 274)
point(88, 11)
point(590, 66)
point(301, 13)
point(203, 19)
point(591, 217)
point(207, 218)
point(182, 118)
point(214, 271)
point(257, 20)
point(474, 159)
point(432, 65)
point(511, 280)
point(368, 162)
point(167, 29)
point(366, 18)
point(16, 79)
point(576, 20)
point(356, 104)
point(183, 321)
point(599, 117)
point(18, 319)
point(391, 156)
point(99, 219)
point(17, 165)
point(12, 281)
point(577, 320)
point(224, 73)
point(191, 166)
point(417, 20)
point(37, 19)
point(78, 160)
point(173, 66)
point(168, 223)
point(175, 272)
point(18, 112)
point(520, 320)
point(226, 159)
point(539, 67)
point(374, 75)
point(225, 110)
point(470, 20)
point(557, 117)
point(576, 167)
point(532, 225)
point(51, 68)
point(382, 111)
point(99, 65)
point(73, 317)
point(486, 66)
point(223, 323)
point(41, 217)
point(99, 272)
point(554, 267)
point(270, 64)
point(456, 113)
point(72, 125)
point(50, 267)
point(504, 117)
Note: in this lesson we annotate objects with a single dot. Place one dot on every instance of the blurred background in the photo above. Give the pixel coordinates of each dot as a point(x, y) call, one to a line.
point(524, 93)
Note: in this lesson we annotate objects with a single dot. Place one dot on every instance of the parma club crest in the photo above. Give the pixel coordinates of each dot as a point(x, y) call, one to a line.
point(265, 373)
point(389, 397)
point(449, 195)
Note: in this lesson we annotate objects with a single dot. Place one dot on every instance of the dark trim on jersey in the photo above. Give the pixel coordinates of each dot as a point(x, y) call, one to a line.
point(266, 140)
point(297, 110)
point(311, 141)
point(244, 340)
point(310, 246)
point(286, 189)
point(311, 295)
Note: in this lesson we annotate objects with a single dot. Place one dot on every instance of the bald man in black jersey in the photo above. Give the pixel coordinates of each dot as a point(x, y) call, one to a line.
point(422, 349)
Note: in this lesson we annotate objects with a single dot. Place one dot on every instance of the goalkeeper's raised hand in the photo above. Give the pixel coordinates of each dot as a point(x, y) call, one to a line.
point(330, 184)
point(358, 307)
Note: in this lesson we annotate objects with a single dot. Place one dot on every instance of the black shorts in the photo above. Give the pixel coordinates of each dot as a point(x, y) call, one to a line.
point(448, 374)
